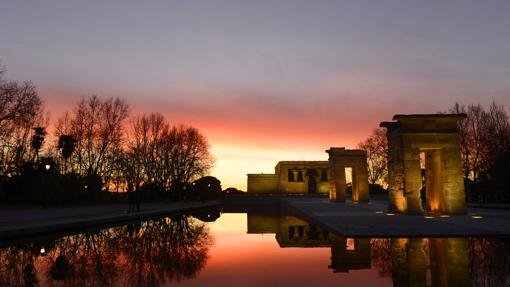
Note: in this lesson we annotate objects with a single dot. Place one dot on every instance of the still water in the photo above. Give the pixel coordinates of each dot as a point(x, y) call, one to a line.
point(249, 249)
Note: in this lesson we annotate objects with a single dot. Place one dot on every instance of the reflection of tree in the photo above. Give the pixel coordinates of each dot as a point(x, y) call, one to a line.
point(149, 253)
point(168, 249)
point(490, 262)
point(381, 255)
point(16, 267)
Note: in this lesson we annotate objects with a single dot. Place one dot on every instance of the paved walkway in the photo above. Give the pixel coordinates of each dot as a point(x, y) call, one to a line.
point(28, 222)
point(371, 220)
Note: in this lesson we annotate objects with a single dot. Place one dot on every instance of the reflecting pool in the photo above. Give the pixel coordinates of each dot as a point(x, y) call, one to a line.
point(211, 248)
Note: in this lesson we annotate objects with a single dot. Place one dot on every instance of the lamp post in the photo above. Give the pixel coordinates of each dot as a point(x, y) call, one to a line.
point(45, 185)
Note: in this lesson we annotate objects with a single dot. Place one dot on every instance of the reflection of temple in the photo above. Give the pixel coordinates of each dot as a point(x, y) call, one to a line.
point(350, 254)
point(346, 253)
point(312, 177)
point(448, 259)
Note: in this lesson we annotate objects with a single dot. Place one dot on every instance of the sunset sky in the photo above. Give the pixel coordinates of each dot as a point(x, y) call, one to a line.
point(263, 80)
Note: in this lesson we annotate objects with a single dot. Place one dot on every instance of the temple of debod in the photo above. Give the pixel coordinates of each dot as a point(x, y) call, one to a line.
point(434, 137)
point(431, 139)
point(317, 177)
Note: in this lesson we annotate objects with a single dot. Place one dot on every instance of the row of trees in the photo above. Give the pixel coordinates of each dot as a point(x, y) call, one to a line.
point(485, 152)
point(97, 144)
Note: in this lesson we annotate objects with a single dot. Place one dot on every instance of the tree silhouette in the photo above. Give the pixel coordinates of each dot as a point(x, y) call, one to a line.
point(38, 140)
point(66, 144)
point(20, 111)
point(485, 144)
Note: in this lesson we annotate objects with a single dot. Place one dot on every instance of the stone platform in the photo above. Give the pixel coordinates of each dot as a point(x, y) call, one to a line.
point(372, 220)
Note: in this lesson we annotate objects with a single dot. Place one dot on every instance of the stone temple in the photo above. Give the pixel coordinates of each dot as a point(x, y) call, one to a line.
point(312, 177)
point(428, 141)
point(423, 155)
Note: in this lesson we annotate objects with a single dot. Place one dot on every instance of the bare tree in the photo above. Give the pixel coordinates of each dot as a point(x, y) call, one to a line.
point(98, 129)
point(161, 154)
point(188, 154)
point(496, 134)
point(146, 146)
point(376, 147)
point(484, 139)
point(20, 111)
point(471, 133)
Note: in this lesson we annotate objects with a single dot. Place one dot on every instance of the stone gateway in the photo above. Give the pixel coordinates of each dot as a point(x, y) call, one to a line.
point(430, 141)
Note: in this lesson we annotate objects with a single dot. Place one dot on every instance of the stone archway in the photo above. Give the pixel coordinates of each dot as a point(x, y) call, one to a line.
point(435, 136)
point(341, 158)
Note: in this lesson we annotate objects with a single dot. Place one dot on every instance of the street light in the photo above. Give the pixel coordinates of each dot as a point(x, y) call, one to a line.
point(47, 167)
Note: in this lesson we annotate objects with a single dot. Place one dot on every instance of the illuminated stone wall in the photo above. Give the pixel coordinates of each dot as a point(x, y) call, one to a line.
point(436, 136)
point(263, 183)
point(300, 172)
point(298, 181)
point(341, 158)
point(317, 177)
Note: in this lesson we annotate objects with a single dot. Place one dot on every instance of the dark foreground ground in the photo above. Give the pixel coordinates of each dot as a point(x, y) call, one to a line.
point(24, 222)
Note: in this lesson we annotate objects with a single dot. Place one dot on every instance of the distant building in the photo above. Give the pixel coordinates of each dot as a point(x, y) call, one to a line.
point(317, 177)
point(293, 177)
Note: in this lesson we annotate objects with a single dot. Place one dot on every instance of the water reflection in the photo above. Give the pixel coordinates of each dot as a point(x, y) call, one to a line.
point(174, 249)
point(143, 254)
point(291, 231)
point(409, 261)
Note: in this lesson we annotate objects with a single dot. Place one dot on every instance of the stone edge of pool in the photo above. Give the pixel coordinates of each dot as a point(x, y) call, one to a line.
point(24, 231)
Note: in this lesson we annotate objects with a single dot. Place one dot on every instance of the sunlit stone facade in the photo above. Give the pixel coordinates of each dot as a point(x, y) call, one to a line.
point(312, 177)
point(434, 136)
point(341, 158)
point(293, 177)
